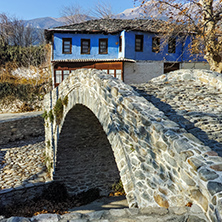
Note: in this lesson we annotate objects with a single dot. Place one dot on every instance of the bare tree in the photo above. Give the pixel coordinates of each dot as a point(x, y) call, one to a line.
point(102, 9)
point(5, 29)
point(73, 14)
point(200, 18)
point(14, 32)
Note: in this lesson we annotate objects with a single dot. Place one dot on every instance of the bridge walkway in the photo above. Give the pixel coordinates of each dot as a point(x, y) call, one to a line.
point(193, 105)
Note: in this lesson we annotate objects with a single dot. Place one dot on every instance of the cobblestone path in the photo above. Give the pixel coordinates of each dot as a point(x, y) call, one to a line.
point(194, 106)
point(22, 164)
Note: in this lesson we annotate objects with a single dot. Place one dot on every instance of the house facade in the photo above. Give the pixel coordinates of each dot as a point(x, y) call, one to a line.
point(126, 49)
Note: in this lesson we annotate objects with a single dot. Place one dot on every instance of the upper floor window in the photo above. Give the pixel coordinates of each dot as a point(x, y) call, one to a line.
point(85, 46)
point(67, 46)
point(156, 44)
point(103, 46)
point(172, 45)
point(120, 44)
point(139, 43)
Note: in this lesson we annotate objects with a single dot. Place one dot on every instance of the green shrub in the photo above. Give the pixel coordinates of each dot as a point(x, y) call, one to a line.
point(51, 116)
point(65, 101)
point(58, 111)
point(45, 115)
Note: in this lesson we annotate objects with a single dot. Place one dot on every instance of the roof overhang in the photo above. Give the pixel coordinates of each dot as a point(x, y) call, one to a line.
point(92, 60)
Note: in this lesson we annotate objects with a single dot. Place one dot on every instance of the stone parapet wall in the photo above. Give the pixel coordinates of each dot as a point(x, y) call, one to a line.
point(160, 163)
point(21, 128)
point(208, 77)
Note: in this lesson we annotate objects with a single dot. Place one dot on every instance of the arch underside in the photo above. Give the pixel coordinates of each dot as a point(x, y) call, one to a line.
point(85, 158)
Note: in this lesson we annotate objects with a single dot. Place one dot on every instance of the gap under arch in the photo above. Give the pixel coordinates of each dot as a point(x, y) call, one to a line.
point(84, 156)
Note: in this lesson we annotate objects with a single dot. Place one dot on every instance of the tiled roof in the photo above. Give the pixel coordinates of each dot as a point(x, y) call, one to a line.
point(115, 25)
point(111, 26)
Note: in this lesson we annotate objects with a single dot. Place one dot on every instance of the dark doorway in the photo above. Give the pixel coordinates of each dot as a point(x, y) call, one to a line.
point(85, 158)
point(168, 67)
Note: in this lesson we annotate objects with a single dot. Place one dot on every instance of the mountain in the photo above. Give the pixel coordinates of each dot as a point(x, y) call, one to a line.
point(45, 22)
point(49, 22)
point(147, 11)
point(138, 12)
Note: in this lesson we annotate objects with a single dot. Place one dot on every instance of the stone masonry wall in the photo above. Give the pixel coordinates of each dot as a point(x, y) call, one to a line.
point(160, 164)
point(22, 128)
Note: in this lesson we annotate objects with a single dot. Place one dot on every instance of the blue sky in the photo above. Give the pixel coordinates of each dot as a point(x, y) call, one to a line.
point(29, 9)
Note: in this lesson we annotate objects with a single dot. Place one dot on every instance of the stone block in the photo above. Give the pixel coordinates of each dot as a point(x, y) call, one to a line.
point(170, 160)
point(182, 145)
point(161, 145)
point(195, 163)
point(193, 218)
point(117, 212)
point(178, 210)
point(161, 201)
point(186, 178)
point(216, 167)
point(206, 174)
point(214, 187)
point(45, 218)
point(17, 219)
point(154, 210)
point(200, 198)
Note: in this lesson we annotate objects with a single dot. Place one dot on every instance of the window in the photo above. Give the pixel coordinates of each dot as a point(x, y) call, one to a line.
point(155, 44)
point(112, 72)
point(169, 67)
point(85, 46)
point(172, 45)
point(139, 43)
point(120, 44)
point(58, 76)
point(119, 74)
point(67, 46)
point(103, 46)
point(65, 74)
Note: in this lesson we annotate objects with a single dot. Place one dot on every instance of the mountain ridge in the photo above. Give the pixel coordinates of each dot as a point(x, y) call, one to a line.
point(50, 22)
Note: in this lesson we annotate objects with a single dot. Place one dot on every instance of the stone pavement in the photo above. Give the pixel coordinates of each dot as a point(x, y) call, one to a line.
point(194, 106)
point(14, 116)
point(151, 214)
point(22, 164)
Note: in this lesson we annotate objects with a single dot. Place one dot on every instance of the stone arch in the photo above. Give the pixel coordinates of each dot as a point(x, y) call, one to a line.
point(99, 100)
point(84, 155)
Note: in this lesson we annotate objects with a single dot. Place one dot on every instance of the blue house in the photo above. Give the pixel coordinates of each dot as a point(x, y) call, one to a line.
point(127, 49)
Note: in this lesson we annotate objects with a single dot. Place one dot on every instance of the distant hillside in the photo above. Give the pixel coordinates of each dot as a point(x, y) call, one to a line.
point(140, 13)
point(49, 22)
point(137, 12)
point(46, 22)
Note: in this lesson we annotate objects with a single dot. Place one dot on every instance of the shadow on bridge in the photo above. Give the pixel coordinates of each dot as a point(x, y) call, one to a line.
point(182, 121)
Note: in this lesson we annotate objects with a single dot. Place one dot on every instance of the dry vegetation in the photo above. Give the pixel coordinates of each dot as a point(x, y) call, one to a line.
point(22, 89)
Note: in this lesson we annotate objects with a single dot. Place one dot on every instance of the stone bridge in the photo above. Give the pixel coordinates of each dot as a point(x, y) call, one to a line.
point(99, 129)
